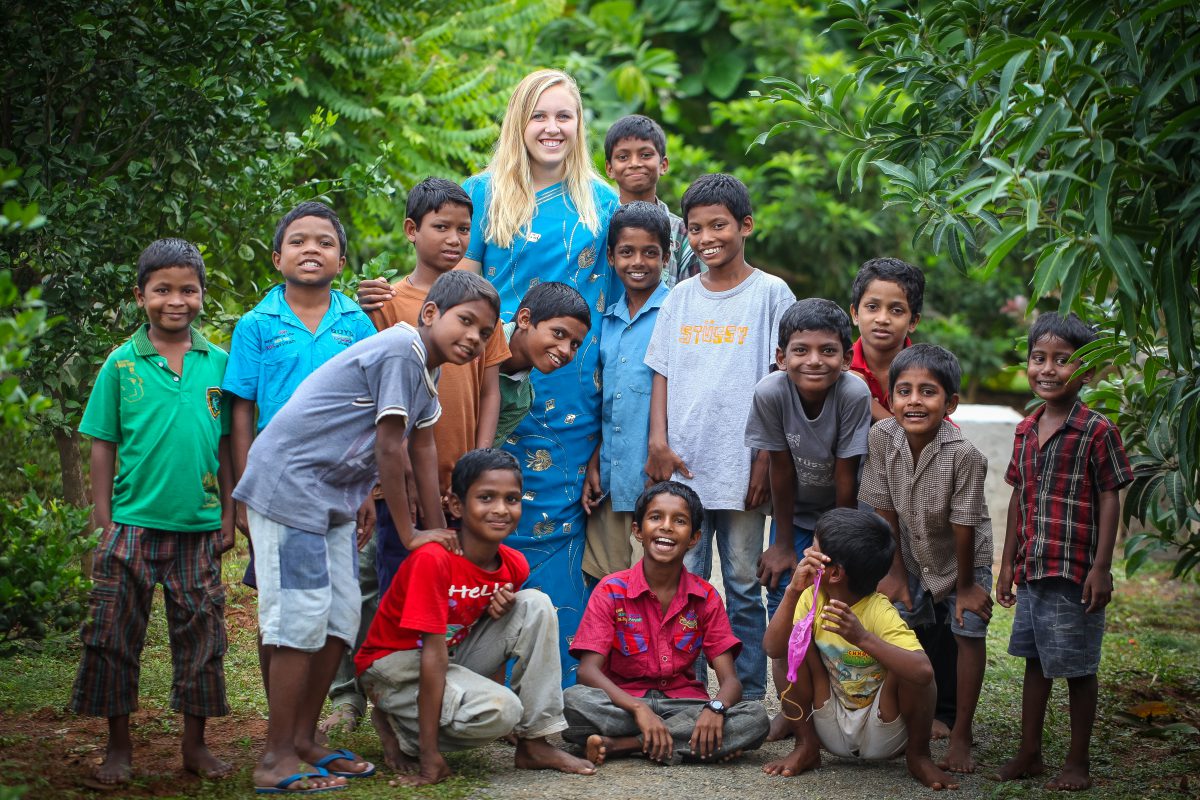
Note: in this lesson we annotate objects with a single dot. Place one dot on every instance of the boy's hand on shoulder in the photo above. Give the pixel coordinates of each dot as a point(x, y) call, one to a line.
point(774, 562)
point(663, 462)
point(1097, 589)
point(1004, 587)
point(972, 598)
point(502, 601)
point(373, 293)
point(708, 734)
point(443, 536)
point(656, 738)
point(836, 617)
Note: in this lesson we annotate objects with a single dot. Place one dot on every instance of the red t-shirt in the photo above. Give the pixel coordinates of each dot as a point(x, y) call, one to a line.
point(858, 363)
point(646, 649)
point(436, 592)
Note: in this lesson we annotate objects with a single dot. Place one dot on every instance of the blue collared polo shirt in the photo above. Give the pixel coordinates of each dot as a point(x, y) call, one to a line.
point(625, 413)
point(272, 350)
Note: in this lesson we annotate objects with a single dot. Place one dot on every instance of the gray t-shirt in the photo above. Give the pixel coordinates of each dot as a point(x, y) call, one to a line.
point(713, 347)
point(777, 422)
point(314, 464)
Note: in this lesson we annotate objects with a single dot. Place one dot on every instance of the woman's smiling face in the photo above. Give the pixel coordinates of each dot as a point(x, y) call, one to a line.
point(552, 129)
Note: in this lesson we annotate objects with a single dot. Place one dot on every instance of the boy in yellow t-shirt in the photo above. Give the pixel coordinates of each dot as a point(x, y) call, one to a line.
point(865, 688)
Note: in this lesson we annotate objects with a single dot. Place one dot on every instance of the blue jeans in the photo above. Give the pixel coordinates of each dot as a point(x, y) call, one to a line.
point(802, 538)
point(739, 537)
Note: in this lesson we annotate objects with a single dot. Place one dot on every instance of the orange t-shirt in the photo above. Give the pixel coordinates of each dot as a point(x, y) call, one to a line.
point(458, 386)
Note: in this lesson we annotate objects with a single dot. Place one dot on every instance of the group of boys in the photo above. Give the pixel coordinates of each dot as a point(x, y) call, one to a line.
point(722, 396)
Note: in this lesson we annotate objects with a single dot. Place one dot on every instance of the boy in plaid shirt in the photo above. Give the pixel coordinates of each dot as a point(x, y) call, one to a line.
point(1068, 464)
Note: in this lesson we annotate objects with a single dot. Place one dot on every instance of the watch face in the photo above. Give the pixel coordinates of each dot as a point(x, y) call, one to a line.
point(717, 706)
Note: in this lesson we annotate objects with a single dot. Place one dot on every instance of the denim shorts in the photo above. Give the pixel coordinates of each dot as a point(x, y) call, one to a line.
point(926, 612)
point(1053, 626)
point(307, 584)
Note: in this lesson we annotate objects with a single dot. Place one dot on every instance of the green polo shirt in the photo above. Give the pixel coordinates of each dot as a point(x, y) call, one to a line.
point(167, 428)
point(516, 397)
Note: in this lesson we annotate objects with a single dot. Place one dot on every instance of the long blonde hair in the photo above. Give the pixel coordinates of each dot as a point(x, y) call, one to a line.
point(510, 209)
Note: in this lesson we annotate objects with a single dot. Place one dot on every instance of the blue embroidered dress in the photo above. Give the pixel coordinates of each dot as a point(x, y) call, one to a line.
point(553, 443)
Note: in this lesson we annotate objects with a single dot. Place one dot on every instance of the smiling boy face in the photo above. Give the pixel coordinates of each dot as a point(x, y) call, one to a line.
point(814, 361)
point(666, 531)
point(310, 254)
point(717, 237)
point(920, 402)
point(636, 165)
point(637, 257)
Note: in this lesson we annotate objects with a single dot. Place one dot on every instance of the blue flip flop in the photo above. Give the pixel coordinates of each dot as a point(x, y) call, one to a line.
point(323, 763)
point(281, 787)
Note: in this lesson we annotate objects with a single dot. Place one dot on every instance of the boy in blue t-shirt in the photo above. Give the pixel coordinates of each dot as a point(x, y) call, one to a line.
point(639, 237)
point(161, 482)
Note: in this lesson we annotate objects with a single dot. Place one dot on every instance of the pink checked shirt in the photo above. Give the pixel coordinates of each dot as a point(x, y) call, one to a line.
point(647, 649)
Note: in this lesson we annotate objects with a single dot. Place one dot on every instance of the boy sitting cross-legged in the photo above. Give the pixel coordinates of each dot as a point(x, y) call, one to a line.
point(638, 236)
point(1067, 467)
point(309, 472)
point(629, 699)
point(451, 621)
point(927, 481)
point(635, 156)
point(865, 687)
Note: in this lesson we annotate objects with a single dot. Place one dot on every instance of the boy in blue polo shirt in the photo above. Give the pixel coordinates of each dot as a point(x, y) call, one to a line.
point(297, 327)
point(639, 238)
point(166, 516)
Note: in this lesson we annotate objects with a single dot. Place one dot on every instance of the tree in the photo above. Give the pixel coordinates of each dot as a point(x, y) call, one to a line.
point(1066, 130)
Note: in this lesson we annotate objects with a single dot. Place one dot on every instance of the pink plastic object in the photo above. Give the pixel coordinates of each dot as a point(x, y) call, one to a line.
point(802, 634)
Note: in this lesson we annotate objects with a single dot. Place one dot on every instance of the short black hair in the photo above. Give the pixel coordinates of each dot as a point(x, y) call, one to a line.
point(893, 270)
point(718, 189)
point(1071, 329)
point(460, 286)
point(310, 208)
point(553, 299)
point(860, 542)
point(431, 194)
point(815, 314)
point(642, 216)
point(474, 463)
point(167, 253)
point(940, 362)
point(635, 126)
point(689, 496)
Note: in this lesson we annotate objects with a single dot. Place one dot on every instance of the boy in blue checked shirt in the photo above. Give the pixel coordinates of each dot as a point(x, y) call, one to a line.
point(1067, 467)
point(165, 519)
point(638, 239)
point(297, 327)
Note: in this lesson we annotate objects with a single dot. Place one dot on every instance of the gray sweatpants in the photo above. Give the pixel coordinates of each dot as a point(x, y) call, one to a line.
point(475, 709)
point(590, 711)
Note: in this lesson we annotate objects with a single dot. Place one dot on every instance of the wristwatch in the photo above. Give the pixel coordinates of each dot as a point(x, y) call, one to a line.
point(716, 706)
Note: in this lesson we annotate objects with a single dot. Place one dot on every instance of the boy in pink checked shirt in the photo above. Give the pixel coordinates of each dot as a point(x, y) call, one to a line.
point(637, 646)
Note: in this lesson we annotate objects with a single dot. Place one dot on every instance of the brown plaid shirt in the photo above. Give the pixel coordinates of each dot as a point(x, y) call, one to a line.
point(682, 262)
point(944, 488)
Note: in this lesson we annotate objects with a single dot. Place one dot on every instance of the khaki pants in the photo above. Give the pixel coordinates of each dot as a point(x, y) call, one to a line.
point(610, 545)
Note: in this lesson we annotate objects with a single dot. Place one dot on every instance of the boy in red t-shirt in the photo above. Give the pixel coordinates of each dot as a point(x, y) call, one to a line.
point(637, 647)
point(885, 304)
point(448, 622)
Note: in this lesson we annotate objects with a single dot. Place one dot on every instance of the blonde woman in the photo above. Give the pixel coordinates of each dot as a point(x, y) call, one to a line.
point(541, 214)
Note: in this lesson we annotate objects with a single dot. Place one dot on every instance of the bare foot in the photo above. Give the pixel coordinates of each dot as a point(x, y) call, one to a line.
point(958, 757)
point(540, 754)
point(923, 769)
point(596, 749)
point(343, 716)
point(940, 730)
point(803, 758)
point(1022, 765)
point(1073, 778)
point(203, 763)
point(117, 767)
point(395, 758)
point(780, 729)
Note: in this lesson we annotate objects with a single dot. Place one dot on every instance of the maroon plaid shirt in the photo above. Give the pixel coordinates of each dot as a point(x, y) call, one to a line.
point(1060, 488)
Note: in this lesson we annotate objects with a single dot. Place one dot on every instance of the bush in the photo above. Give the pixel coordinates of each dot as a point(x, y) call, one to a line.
point(42, 587)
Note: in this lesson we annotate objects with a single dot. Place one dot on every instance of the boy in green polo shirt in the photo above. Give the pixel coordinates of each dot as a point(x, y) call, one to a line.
point(167, 516)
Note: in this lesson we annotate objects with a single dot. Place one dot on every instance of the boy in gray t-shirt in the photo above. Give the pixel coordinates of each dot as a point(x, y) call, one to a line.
point(813, 418)
point(712, 343)
point(308, 472)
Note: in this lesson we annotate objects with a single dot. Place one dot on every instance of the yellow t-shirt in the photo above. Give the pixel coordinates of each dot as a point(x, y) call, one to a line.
point(854, 675)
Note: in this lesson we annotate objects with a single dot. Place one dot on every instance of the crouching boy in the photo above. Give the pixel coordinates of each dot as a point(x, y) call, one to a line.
point(449, 622)
point(638, 643)
point(865, 688)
